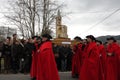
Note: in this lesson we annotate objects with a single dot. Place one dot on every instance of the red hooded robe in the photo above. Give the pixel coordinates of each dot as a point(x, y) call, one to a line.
point(90, 67)
point(33, 71)
point(47, 69)
point(102, 54)
point(112, 62)
point(76, 60)
point(119, 66)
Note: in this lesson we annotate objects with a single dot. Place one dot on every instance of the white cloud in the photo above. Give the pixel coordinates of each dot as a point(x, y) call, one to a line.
point(85, 14)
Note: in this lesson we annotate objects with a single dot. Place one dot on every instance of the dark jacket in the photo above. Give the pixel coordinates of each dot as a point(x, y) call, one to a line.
point(6, 49)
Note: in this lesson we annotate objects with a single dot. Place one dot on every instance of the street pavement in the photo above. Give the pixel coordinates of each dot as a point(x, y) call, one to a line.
point(63, 76)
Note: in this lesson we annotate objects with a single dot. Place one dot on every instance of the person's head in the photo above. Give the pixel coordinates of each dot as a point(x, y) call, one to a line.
point(14, 35)
point(34, 39)
point(22, 41)
point(46, 37)
point(39, 40)
point(26, 41)
point(90, 38)
point(8, 40)
point(98, 42)
point(16, 42)
point(85, 41)
point(77, 38)
point(30, 40)
point(111, 40)
point(54, 44)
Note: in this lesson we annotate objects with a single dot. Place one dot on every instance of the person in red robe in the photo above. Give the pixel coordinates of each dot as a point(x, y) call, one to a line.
point(102, 55)
point(112, 60)
point(90, 67)
point(33, 71)
point(119, 66)
point(76, 59)
point(84, 49)
point(46, 67)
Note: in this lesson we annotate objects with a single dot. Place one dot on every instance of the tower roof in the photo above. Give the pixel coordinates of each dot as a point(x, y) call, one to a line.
point(59, 13)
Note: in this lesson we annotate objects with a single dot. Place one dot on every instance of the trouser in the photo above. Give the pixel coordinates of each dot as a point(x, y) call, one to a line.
point(0, 64)
point(21, 65)
point(63, 65)
point(27, 64)
point(69, 64)
point(15, 65)
point(58, 62)
point(7, 62)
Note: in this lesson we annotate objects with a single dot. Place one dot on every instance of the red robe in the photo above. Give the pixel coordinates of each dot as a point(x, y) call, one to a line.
point(33, 71)
point(90, 67)
point(84, 54)
point(102, 54)
point(112, 62)
point(47, 69)
point(76, 59)
point(119, 66)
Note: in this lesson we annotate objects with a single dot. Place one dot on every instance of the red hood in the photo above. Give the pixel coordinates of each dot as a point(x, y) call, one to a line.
point(46, 45)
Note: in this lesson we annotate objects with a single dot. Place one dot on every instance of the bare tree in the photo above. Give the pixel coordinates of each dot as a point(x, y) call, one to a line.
point(49, 11)
point(32, 16)
point(24, 16)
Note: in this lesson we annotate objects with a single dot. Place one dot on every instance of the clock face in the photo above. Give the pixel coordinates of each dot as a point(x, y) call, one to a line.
point(58, 20)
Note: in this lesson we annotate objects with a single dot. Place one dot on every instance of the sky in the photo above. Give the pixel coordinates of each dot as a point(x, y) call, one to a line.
point(95, 17)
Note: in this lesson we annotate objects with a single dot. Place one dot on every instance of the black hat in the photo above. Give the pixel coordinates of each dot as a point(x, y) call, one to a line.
point(91, 37)
point(79, 38)
point(99, 41)
point(14, 34)
point(47, 36)
point(111, 38)
point(39, 38)
point(34, 37)
point(8, 37)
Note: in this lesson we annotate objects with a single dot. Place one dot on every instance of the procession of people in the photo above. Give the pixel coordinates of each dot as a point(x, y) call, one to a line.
point(93, 60)
point(87, 59)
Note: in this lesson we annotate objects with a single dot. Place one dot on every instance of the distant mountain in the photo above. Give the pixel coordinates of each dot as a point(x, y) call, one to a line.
point(103, 38)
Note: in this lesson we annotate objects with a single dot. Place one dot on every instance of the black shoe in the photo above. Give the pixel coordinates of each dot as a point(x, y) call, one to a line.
point(33, 78)
point(15, 72)
point(75, 76)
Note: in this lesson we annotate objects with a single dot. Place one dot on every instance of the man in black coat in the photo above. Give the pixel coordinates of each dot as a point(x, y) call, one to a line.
point(63, 57)
point(57, 56)
point(28, 47)
point(6, 53)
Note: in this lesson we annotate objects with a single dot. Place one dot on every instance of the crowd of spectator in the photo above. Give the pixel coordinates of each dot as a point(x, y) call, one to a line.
point(16, 55)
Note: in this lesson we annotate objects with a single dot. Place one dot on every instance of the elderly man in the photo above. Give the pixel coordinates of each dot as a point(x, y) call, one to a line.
point(46, 67)
point(112, 60)
point(90, 67)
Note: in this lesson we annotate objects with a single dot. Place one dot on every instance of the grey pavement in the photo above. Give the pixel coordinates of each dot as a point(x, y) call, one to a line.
point(63, 76)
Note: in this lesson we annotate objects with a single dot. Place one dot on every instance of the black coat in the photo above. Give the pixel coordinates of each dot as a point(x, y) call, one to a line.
point(17, 51)
point(6, 49)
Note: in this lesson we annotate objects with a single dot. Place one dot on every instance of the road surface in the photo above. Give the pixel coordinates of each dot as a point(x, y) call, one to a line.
point(63, 76)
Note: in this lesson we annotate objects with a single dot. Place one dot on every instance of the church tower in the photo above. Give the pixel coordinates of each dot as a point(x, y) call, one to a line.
point(58, 24)
point(61, 30)
point(58, 19)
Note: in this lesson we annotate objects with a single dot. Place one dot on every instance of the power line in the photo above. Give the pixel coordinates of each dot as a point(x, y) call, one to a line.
point(101, 21)
point(105, 11)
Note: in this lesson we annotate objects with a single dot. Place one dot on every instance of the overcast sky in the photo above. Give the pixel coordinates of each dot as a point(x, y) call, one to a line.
point(96, 17)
